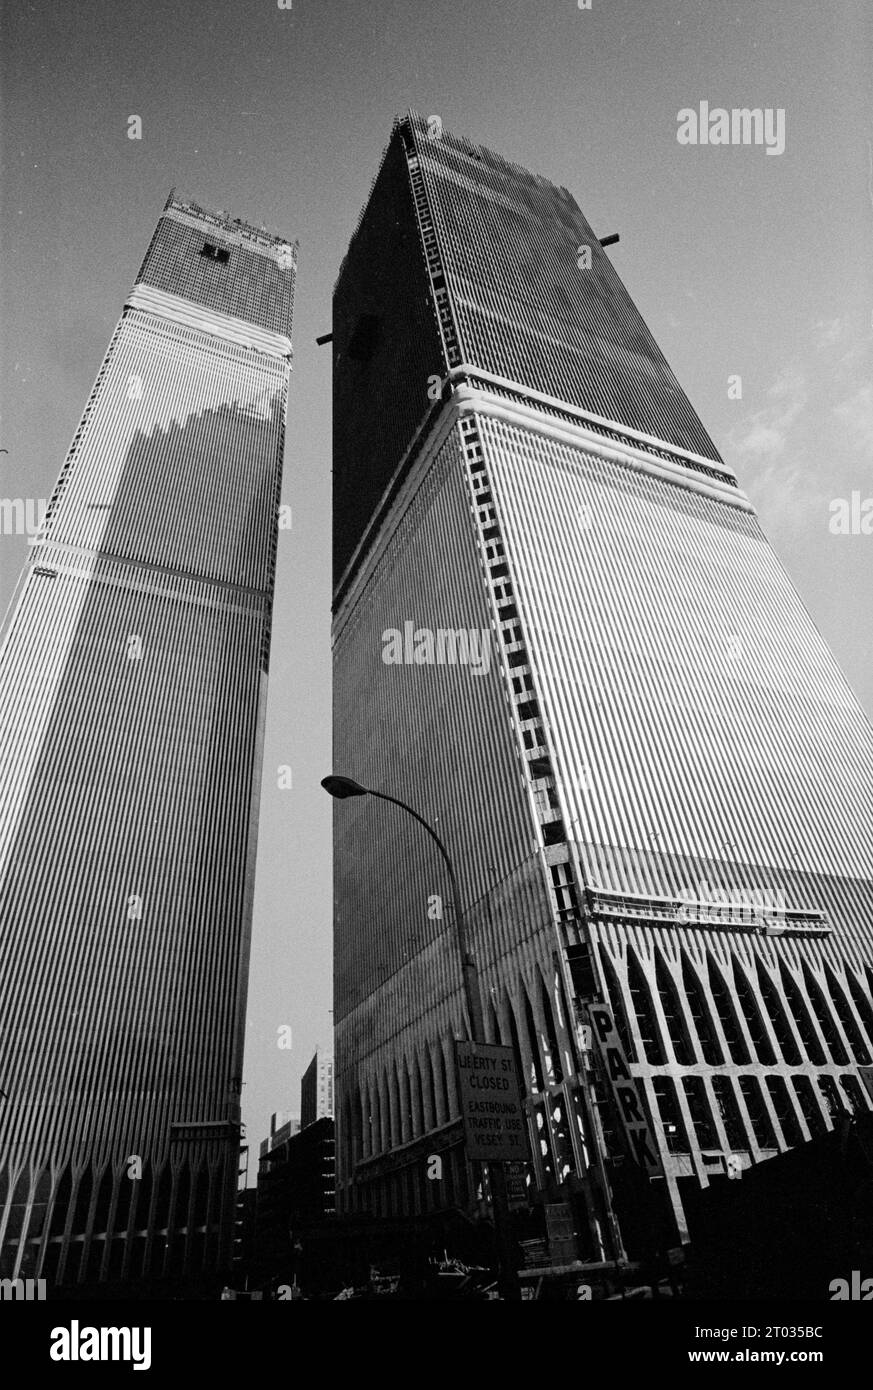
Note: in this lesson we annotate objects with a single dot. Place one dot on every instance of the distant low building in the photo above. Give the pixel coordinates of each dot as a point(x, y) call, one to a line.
point(296, 1192)
point(283, 1125)
point(316, 1089)
point(244, 1233)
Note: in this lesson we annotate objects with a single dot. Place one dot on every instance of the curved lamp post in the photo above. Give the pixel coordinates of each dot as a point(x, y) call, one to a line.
point(341, 788)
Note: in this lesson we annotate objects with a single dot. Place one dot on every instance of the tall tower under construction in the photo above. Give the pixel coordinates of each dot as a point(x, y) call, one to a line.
point(133, 674)
point(561, 635)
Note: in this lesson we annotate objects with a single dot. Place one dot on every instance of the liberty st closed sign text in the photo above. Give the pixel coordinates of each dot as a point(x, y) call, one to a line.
point(490, 1102)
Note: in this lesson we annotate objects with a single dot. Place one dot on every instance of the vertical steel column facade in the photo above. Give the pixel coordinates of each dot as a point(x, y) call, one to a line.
point(660, 791)
point(133, 676)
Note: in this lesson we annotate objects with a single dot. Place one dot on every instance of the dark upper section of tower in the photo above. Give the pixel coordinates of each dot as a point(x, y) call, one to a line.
point(461, 258)
point(386, 344)
point(222, 264)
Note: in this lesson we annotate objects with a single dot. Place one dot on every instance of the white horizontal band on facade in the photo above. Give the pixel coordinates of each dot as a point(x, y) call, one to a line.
point(91, 576)
point(466, 400)
point(179, 310)
point(466, 369)
point(44, 554)
point(469, 400)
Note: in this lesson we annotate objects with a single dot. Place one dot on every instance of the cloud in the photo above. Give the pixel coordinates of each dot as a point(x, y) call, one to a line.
point(761, 438)
point(856, 413)
point(798, 404)
point(765, 432)
point(829, 331)
point(802, 446)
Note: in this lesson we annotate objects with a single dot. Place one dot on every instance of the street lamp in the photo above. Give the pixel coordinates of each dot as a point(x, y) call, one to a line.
point(343, 787)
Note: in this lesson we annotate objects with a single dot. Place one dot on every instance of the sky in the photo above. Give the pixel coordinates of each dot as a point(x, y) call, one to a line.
point(743, 264)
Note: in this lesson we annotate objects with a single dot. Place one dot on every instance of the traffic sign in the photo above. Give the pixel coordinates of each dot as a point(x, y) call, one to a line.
point(488, 1087)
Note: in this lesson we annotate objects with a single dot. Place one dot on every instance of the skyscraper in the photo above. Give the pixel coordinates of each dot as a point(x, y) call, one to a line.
point(561, 636)
point(133, 677)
